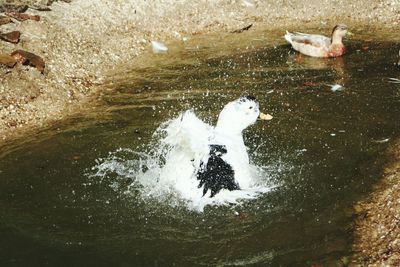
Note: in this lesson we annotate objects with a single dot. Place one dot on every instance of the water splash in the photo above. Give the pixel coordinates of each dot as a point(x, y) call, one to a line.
point(165, 169)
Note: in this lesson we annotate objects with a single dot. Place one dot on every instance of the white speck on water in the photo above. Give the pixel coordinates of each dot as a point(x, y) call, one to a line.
point(336, 87)
point(381, 141)
point(394, 80)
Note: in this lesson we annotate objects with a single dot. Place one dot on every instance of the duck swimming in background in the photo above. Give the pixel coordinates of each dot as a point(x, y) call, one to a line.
point(318, 45)
point(211, 159)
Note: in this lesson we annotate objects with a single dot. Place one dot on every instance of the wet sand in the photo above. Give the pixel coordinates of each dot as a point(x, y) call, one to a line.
point(82, 42)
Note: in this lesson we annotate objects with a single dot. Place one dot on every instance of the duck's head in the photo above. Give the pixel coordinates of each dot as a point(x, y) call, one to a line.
point(339, 31)
point(238, 115)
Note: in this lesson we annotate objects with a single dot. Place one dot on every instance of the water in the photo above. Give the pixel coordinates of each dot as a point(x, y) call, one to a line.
point(325, 150)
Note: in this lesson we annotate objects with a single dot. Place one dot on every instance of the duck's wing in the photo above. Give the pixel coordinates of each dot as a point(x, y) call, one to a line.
point(308, 39)
point(188, 134)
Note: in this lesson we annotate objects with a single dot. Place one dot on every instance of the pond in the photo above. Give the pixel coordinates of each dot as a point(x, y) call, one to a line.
point(324, 149)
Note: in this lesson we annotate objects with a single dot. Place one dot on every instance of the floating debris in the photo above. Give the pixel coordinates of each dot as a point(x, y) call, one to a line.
point(394, 80)
point(364, 47)
point(243, 29)
point(7, 60)
point(22, 16)
point(12, 37)
point(27, 58)
point(336, 87)
point(158, 47)
point(381, 141)
point(76, 157)
point(265, 117)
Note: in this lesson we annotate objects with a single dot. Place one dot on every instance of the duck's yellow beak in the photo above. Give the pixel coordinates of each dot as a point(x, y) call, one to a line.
point(349, 33)
point(265, 117)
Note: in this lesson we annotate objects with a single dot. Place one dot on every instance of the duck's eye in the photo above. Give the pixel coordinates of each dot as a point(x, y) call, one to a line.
point(251, 107)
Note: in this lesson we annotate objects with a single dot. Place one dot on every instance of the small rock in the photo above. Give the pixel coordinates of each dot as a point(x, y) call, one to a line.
point(12, 37)
point(39, 7)
point(13, 8)
point(7, 60)
point(22, 16)
point(27, 58)
point(4, 20)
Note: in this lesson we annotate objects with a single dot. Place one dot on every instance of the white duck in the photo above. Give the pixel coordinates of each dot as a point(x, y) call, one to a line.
point(315, 45)
point(211, 158)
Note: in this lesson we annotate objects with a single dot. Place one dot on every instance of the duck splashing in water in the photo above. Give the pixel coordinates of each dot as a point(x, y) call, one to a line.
point(205, 162)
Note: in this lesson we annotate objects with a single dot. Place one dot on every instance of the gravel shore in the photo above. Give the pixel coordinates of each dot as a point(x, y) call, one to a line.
point(82, 41)
point(377, 227)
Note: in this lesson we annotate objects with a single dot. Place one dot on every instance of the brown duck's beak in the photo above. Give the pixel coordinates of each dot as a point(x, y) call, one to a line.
point(265, 117)
point(349, 33)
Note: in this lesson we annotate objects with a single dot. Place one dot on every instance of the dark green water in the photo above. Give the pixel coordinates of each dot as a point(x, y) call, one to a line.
point(325, 148)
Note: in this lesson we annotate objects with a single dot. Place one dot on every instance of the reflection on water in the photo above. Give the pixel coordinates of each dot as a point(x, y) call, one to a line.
point(324, 148)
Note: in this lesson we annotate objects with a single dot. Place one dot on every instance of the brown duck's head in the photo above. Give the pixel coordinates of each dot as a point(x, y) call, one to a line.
point(339, 30)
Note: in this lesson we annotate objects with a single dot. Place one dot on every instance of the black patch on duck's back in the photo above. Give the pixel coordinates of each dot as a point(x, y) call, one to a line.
point(216, 174)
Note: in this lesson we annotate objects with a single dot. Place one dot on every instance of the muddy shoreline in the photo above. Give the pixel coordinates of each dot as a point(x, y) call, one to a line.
point(83, 42)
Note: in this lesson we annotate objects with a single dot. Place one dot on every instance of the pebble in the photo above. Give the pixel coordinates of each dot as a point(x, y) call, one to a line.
point(7, 60)
point(12, 37)
point(28, 58)
point(13, 8)
point(4, 20)
point(22, 16)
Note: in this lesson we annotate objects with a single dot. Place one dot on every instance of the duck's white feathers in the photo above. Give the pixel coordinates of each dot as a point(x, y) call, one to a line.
point(188, 133)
